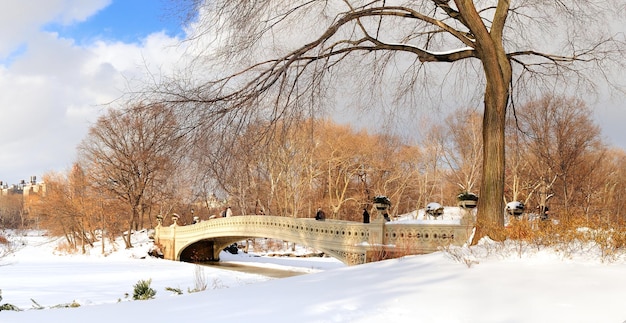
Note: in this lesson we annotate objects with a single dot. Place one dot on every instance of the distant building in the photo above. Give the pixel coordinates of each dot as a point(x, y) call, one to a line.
point(33, 187)
point(24, 188)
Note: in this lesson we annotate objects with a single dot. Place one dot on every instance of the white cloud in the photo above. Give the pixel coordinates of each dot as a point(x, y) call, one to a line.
point(22, 20)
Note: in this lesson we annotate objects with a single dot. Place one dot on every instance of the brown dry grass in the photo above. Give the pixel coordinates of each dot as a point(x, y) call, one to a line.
point(570, 234)
point(66, 248)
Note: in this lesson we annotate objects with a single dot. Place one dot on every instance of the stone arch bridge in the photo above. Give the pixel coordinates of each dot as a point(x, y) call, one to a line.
point(350, 242)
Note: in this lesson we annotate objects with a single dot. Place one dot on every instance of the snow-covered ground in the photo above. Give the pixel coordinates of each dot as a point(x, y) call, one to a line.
point(492, 282)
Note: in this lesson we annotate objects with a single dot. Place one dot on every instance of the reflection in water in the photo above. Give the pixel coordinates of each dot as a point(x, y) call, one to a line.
point(269, 272)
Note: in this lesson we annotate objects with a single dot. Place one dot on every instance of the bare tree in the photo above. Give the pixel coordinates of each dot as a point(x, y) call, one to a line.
point(289, 162)
point(505, 46)
point(431, 167)
point(128, 153)
point(563, 143)
point(611, 199)
point(462, 147)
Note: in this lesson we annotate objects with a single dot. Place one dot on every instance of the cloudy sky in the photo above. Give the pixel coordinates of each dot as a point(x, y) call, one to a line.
point(62, 61)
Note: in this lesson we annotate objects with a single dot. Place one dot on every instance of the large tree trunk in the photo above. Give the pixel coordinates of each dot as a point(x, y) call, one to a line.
point(497, 68)
point(490, 218)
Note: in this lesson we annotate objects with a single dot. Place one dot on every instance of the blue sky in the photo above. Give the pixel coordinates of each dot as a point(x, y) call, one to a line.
point(128, 21)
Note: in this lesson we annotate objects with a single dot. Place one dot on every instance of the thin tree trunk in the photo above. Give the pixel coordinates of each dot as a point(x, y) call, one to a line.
point(131, 224)
point(103, 230)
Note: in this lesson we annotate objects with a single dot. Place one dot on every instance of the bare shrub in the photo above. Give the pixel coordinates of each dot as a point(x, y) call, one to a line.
point(545, 234)
point(66, 248)
point(520, 230)
point(378, 253)
point(200, 283)
point(10, 242)
point(273, 245)
point(383, 252)
point(404, 249)
point(461, 255)
point(217, 284)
